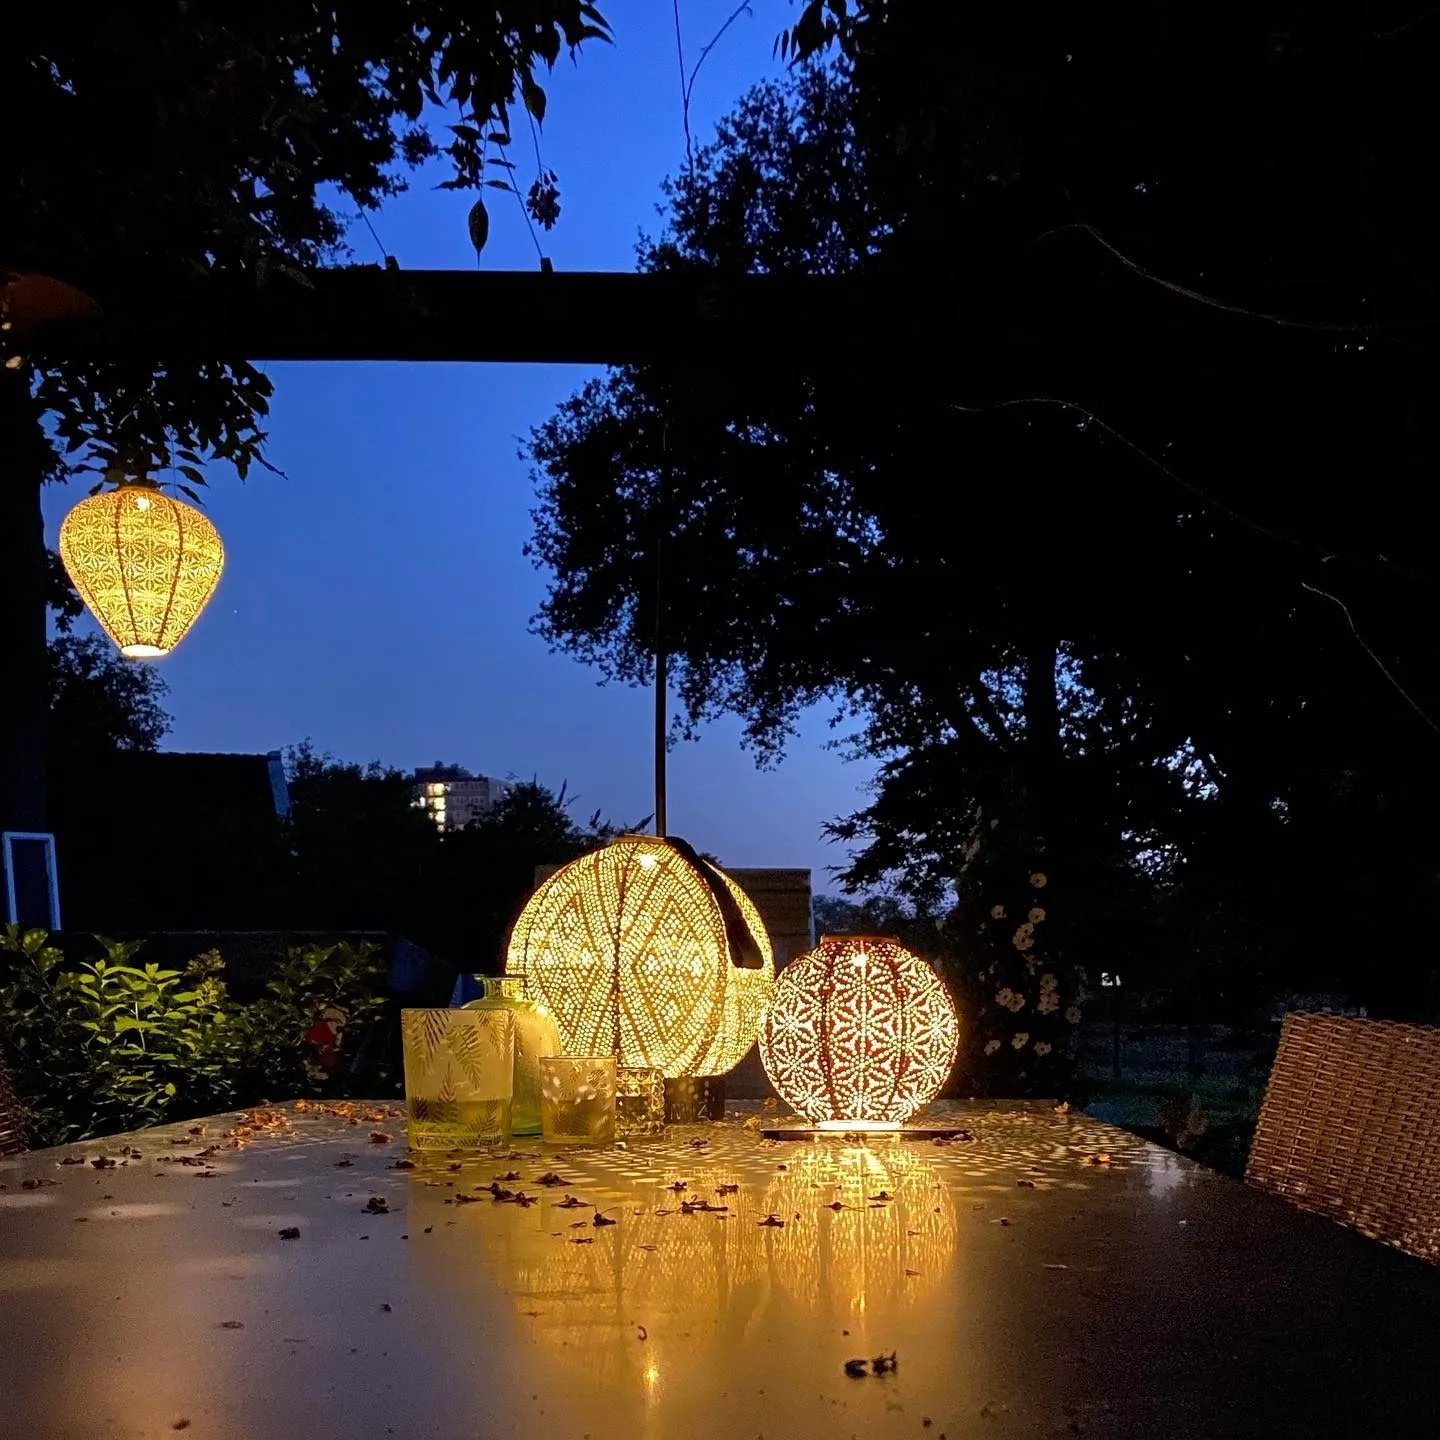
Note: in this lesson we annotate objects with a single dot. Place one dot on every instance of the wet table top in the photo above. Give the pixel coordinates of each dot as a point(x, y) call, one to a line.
point(1051, 1276)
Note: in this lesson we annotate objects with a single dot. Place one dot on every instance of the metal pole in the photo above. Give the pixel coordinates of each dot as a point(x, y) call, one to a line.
point(662, 658)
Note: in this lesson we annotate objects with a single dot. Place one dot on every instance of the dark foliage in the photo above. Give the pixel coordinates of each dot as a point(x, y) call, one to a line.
point(1159, 627)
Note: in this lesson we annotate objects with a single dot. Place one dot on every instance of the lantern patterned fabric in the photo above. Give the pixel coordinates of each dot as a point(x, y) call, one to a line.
point(861, 1034)
point(144, 563)
point(643, 950)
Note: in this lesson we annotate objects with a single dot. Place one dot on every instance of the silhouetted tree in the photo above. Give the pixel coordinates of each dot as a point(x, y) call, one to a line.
point(1138, 633)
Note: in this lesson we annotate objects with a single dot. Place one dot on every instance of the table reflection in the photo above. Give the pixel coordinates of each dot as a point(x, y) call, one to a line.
point(633, 1303)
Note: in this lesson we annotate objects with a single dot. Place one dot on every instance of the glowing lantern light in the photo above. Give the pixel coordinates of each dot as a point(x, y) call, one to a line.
point(643, 950)
point(747, 993)
point(861, 1034)
point(144, 563)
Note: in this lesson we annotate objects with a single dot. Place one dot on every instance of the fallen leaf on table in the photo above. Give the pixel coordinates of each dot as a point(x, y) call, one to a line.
point(551, 1179)
point(883, 1196)
point(857, 1368)
point(103, 1162)
point(912, 1272)
point(385, 1306)
point(466, 1200)
point(1024, 1184)
point(429, 1229)
point(727, 1189)
point(377, 1205)
point(379, 1137)
point(196, 1130)
point(644, 1247)
point(642, 1333)
point(582, 1240)
point(402, 1165)
point(571, 1203)
point(1055, 1265)
point(231, 1325)
point(579, 1224)
point(836, 1205)
point(72, 1160)
point(1002, 1221)
point(509, 1175)
point(678, 1186)
point(600, 1220)
point(181, 1424)
point(884, 1364)
point(290, 1232)
point(772, 1222)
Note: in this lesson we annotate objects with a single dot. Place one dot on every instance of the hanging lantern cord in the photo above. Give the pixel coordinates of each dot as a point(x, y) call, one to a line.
point(662, 657)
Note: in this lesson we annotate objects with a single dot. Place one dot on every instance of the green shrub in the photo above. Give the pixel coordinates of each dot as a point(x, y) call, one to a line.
point(109, 1045)
point(275, 1050)
point(113, 1045)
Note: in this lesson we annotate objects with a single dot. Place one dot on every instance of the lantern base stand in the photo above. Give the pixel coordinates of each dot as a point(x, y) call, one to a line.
point(859, 1136)
point(693, 1099)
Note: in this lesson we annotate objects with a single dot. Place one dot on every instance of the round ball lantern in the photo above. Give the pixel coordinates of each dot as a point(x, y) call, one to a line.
point(144, 563)
point(637, 950)
point(861, 1034)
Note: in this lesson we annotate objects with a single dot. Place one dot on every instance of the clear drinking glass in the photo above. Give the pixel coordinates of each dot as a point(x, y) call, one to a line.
point(577, 1099)
point(639, 1101)
point(459, 1077)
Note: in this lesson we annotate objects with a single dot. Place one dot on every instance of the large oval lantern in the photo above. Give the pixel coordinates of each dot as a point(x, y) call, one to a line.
point(145, 565)
point(644, 950)
point(861, 1034)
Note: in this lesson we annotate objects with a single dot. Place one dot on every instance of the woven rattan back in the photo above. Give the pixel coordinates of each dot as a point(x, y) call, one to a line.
point(1350, 1127)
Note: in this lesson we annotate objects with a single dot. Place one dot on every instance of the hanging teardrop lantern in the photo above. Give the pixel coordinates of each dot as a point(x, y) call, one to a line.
point(641, 949)
point(145, 565)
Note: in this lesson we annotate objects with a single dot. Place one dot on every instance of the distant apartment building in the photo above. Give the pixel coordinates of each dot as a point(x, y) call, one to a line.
point(452, 797)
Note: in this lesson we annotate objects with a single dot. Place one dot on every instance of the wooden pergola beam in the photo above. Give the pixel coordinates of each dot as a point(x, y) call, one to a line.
point(1015, 329)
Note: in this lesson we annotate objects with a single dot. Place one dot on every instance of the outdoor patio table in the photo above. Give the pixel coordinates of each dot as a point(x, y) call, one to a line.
point(1052, 1276)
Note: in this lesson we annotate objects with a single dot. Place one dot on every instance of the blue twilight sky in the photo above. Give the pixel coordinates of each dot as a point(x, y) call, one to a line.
point(377, 600)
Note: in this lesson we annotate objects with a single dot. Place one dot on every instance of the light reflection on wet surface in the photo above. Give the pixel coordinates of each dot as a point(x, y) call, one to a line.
point(1053, 1269)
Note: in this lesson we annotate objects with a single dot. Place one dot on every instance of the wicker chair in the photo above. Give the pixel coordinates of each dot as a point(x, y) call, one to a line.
point(12, 1127)
point(1350, 1127)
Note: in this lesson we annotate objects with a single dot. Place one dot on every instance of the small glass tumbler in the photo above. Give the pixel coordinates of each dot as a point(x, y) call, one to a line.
point(639, 1102)
point(577, 1099)
point(459, 1077)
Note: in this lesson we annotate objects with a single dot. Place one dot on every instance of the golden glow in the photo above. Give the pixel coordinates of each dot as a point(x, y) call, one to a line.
point(144, 563)
point(709, 1275)
point(628, 948)
point(861, 1033)
point(747, 993)
point(888, 1253)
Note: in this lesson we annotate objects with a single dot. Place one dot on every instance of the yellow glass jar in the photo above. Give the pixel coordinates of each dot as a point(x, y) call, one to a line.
point(535, 1036)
